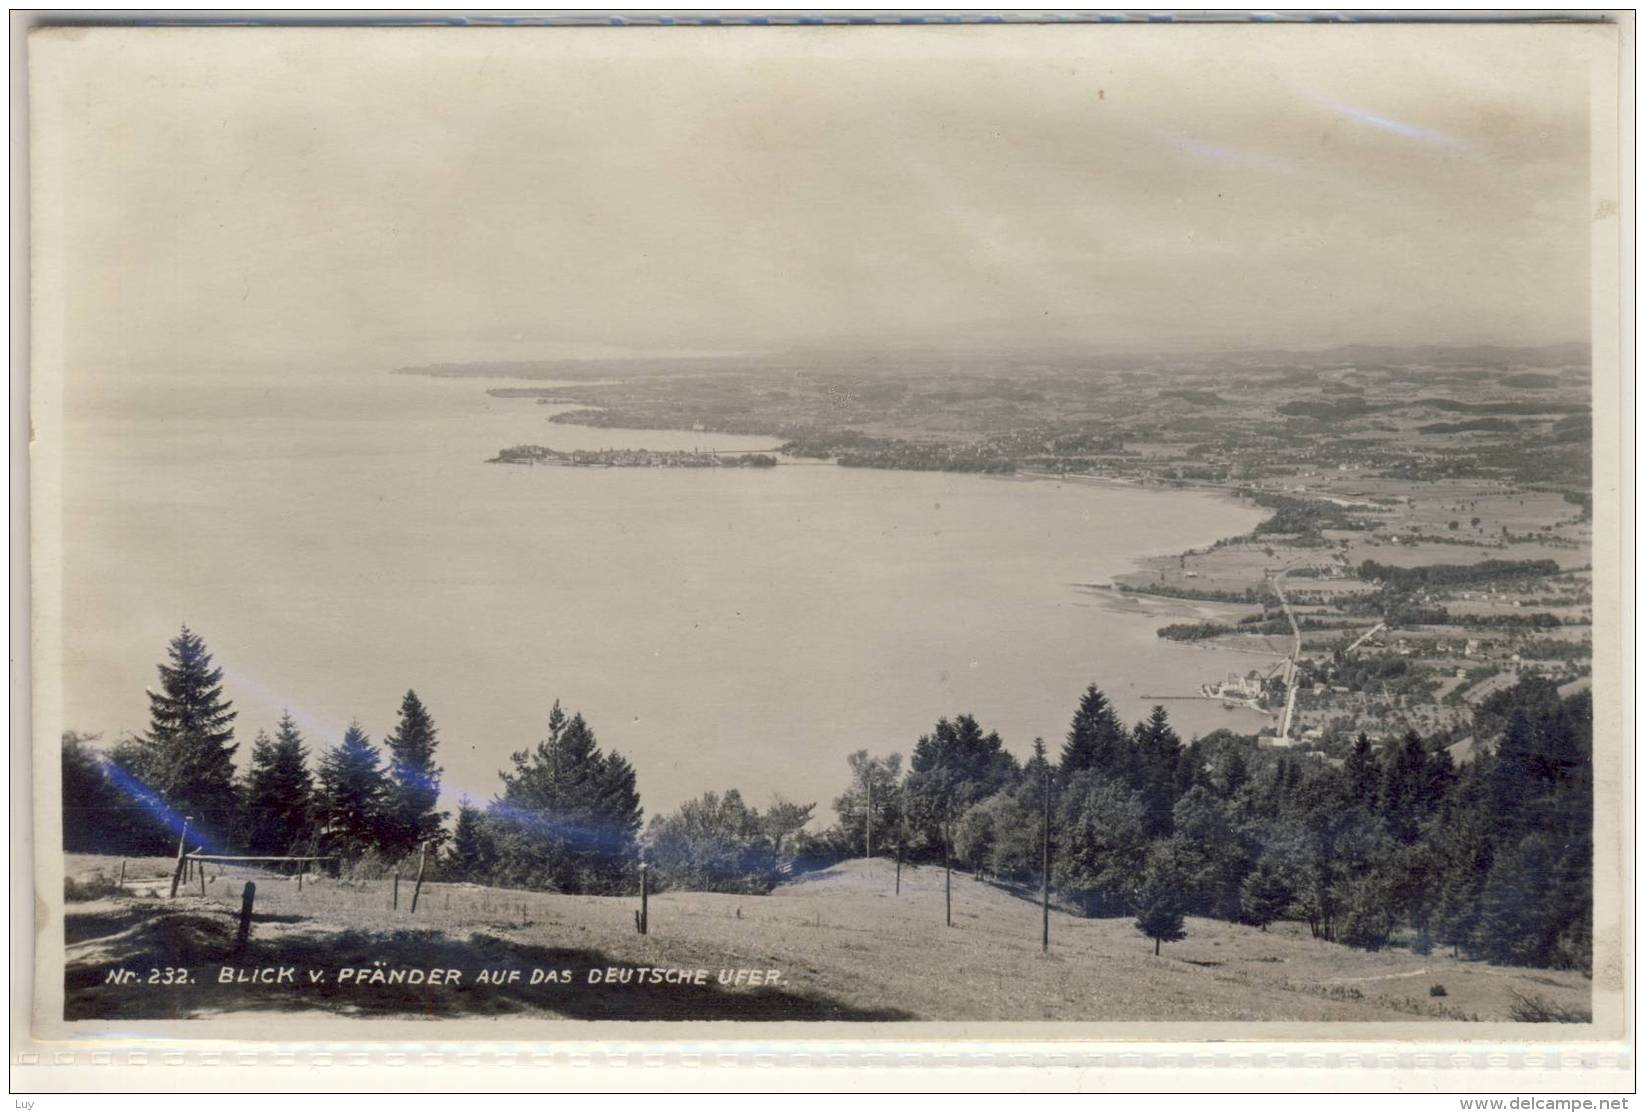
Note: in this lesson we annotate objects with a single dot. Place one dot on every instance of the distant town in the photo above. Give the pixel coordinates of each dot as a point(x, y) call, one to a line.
point(534, 454)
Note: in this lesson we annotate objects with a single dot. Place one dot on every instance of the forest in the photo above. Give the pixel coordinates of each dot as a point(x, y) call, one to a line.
point(1393, 845)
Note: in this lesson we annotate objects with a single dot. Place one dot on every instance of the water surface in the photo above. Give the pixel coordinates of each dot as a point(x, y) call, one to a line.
point(337, 539)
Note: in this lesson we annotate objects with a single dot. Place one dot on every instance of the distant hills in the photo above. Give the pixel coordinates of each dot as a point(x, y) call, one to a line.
point(935, 361)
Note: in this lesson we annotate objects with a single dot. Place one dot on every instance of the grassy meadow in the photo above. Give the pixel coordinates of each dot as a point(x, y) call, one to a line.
point(847, 945)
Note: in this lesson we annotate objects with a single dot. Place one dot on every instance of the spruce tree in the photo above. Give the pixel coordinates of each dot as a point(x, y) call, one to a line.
point(471, 853)
point(1439, 781)
point(248, 832)
point(1161, 899)
point(1158, 753)
point(352, 790)
point(617, 812)
point(1403, 797)
point(1515, 771)
point(1263, 896)
point(279, 791)
point(1037, 767)
point(1234, 772)
point(414, 780)
point(187, 756)
point(569, 815)
point(1364, 773)
point(1096, 740)
point(95, 814)
point(1520, 915)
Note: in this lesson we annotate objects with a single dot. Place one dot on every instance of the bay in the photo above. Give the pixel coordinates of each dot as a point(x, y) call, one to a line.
point(337, 537)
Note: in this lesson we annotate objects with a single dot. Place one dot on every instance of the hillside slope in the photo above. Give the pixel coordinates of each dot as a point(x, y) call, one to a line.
point(848, 947)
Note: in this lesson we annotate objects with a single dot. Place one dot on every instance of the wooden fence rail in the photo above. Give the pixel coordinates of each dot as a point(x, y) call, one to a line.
point(260, 858)
point(195, 859)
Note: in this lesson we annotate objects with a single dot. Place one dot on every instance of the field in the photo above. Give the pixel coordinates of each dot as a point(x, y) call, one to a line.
point(847, 946)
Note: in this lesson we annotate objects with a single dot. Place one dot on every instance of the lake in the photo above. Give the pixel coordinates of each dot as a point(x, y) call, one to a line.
point(338, 538)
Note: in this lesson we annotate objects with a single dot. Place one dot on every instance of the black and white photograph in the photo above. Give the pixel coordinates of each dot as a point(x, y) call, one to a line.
point(1086, 529)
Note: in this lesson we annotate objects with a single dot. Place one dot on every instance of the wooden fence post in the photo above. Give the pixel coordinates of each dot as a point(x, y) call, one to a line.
point(246, 899)
point(642, 918)
point(182, 860)
point(947, 883)
point(422, 864)
point(122, 873)
point(201, 869)
point(868, 842)
point(1045, 870)
point(396, 904)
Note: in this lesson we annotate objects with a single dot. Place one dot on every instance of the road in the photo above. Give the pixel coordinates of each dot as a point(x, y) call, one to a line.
point(1290, 662)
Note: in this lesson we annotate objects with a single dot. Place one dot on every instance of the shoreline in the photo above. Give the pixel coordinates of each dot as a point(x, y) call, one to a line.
point(1138, 562)
point(1156, 609)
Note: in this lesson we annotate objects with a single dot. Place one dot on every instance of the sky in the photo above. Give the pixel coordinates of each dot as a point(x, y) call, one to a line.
point(391, 197)
point(211, 205)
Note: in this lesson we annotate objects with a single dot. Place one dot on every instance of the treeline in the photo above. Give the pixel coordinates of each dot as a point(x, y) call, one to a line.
point(1195, 631)
point(567, 819)
point(1394, 843)
point(1391, 843)
point(1259, 624)
point(1522, 408)
point(568, 815)
point(1478, 425)
point(1454, 575)
point(137, 798)
point(1302, 515)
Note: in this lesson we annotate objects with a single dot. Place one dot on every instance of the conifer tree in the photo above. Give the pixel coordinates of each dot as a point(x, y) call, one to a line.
point(352, 789)
point(1037, 767)
point(471, 853)
point(1403, 797)
point(414, 780)
point(569, 814)
point(1234, 773)
point(249, 820)
point(1160, 898)
point(95, 815)
point(1519, 919)
point(1363, 771)
point(1463, 849)
point(1263, 896)
point(187, 756)
point(1096, 740)
point(1158, 752)
point(1514, 773)
point(279, 792)
point(1439, 781)
point(617, 812)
